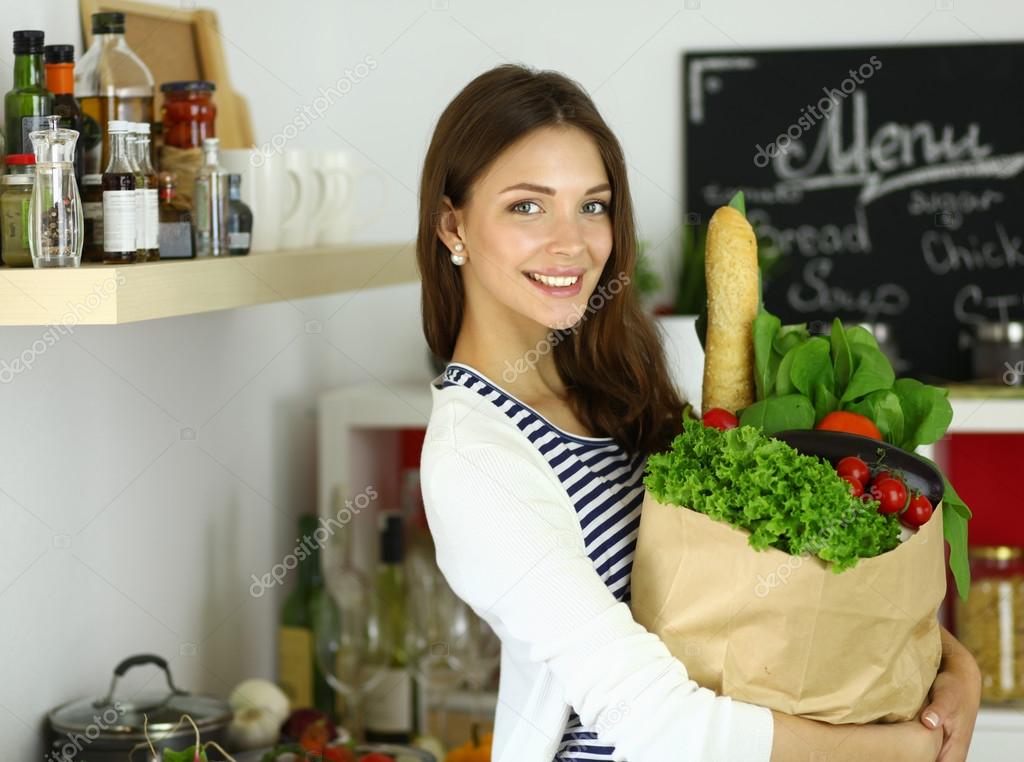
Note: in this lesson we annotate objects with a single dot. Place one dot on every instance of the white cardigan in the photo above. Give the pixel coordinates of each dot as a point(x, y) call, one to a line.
point(509, 543)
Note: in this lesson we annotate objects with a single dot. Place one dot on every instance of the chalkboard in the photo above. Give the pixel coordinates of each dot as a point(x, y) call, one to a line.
point(892, 178)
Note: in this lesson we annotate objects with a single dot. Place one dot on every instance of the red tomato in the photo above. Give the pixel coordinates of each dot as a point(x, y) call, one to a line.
point(376, 757)
point(720, 418)
point(890, 493)
point(856, 488)
point(851, 423)
point(339, 754)
point(918, 512)
point(856, 468)
point(882, 475)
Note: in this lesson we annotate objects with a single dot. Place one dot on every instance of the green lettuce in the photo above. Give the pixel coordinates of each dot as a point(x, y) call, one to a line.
point(783, 498)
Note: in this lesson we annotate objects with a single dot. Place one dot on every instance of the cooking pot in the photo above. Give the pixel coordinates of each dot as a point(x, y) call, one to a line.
point(111, 729)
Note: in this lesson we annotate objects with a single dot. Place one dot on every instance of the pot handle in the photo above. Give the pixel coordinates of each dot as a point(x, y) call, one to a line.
point(135, 661)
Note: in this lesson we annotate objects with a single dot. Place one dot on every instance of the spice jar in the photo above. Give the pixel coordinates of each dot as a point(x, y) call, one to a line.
point(189, 113)
point(990, 623)
point(15, 196)
point(21, 164)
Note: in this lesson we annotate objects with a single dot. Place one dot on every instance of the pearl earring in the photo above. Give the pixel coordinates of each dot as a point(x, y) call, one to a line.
point(458, 259)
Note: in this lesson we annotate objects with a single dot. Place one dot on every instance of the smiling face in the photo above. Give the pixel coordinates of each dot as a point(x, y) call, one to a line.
point(542, 207)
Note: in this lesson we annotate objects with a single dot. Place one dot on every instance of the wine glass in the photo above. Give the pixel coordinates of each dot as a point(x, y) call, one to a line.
point(347, 640)
point(432, 631)
point(479, 653)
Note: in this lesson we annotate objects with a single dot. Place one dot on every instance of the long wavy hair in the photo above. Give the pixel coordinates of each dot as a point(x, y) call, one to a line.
point(613, 365)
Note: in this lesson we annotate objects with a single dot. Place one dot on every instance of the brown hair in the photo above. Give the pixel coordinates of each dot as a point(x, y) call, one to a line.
point(613, 364)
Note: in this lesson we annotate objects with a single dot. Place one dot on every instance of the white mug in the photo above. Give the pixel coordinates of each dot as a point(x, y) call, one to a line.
point(341, 180)
point(303, 199)
point(263, 178)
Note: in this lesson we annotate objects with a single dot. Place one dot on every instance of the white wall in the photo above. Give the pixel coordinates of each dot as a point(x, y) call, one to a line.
point(117, 534)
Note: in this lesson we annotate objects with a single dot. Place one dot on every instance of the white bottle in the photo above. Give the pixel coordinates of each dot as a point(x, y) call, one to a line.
point(210, 204)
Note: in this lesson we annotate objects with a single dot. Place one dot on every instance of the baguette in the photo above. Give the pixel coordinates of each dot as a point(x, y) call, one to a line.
point(731, 271)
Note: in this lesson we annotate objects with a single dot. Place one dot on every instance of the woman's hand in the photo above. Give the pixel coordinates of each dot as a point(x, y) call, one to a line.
point(954, 699)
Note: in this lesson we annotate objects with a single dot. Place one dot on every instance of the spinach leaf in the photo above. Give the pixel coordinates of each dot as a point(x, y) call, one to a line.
point(788, 337)
point(884, 408)
point(811, 366)
point(766, 326)
point(825, 402)
point(858, 334)
point(871, 370)
point(783, 377)
point(926, 412)
point(954, 529)
point(792, 411)
point(842, 359)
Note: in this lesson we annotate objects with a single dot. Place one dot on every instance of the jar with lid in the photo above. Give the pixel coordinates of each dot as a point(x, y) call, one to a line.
point(21, 164)
point(92, 216)
point(990, 623)
point(15, 199)
point(189, 113)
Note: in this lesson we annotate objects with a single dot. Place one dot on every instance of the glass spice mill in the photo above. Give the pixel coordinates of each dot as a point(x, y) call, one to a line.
point(55, 211)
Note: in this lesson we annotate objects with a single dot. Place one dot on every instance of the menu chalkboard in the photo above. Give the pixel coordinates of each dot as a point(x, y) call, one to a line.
point(891, 178)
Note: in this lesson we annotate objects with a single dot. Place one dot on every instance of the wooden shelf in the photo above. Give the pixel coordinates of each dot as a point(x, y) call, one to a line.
point(111, 294)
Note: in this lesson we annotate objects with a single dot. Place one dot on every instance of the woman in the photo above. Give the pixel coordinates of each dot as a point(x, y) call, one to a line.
point(555, 393)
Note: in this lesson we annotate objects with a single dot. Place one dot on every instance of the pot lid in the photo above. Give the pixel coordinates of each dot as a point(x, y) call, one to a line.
point(128, 716)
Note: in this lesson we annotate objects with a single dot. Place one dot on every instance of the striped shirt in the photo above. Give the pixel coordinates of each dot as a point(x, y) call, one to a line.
point(605, 485)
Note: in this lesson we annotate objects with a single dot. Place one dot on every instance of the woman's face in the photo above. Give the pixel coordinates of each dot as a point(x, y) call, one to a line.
point(544, 206)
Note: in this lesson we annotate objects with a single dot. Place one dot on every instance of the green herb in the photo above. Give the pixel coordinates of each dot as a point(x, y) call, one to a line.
point(799, 379)
point(785, 499)
point(738, 203)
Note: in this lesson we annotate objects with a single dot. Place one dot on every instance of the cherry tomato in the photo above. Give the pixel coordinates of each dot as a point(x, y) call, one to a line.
point(918, 512)
point(851, 423)
point(883, 474)
point(856, 488)
point(854, 467)
point(720, 418)
point(376, 757)
point(891, 494)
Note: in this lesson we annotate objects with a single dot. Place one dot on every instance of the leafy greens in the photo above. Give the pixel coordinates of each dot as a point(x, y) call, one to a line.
point(785, 499)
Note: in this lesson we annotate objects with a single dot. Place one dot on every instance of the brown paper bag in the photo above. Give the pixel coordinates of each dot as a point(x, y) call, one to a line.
point(786, 632)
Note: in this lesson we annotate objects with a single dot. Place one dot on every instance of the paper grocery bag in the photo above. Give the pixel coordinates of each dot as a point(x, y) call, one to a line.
point(786, 632)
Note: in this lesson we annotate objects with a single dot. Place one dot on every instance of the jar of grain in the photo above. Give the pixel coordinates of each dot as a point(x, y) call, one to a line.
point(990, 623)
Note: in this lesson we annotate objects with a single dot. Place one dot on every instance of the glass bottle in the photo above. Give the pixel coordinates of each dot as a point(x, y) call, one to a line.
point(28, 101)
point(92, 216)
point(239, 218)
point(390, 711)
point(141, 255)
point(146, 191)
point(60, 81)
point(111, 82)
point(298, 672)
point(210, 204)
point(175, 228)
point(118, 199)
point(151, 190)
point(55, 237)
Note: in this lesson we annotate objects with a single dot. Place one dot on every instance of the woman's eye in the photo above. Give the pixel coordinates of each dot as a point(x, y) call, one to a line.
point(603, 206)
point(517, 207)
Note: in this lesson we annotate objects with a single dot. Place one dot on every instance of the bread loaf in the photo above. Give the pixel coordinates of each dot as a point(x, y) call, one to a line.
point(731, 272)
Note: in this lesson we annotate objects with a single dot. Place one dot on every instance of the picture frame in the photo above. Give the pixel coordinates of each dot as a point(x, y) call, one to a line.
point(180, 44)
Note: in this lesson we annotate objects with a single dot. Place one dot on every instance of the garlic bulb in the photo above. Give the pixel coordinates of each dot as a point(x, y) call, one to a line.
point(254, 727)
point(260, 694)
point(260, 707)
